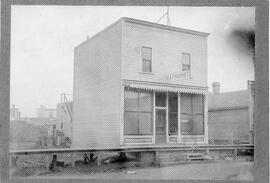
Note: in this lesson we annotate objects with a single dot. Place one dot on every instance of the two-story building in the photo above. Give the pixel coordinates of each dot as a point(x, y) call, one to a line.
point(140, 83)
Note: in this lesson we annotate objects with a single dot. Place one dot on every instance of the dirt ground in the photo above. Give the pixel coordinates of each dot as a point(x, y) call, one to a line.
point(214, 170)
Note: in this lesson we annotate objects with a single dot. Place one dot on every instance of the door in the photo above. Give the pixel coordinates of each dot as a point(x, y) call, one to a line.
point(160, 126)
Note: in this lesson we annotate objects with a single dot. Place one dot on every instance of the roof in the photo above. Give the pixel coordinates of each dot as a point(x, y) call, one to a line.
point(234, 99)
point(149, 24)
point(161, 26)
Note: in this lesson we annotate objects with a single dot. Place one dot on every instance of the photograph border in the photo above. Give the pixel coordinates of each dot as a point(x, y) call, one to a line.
point(261, 159)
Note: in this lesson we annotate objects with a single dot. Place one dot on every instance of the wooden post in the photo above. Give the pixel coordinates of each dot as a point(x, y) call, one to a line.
point(251, 95)
point(48, 161)
point(73, 159)
point(99, 159)
point(156, 158)
point(235, 152)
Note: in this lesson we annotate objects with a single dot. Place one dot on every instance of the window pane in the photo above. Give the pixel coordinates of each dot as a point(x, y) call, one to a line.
point(146, 124)
point(186, 103)
point(185, 59)
point(131, 125)
point(198, 104)
point(198, 124)
point(145, 102)
point(131, 100)
point(161, 99)
point(185, 67)
point(186, 124)
point(146, 53)
point(173, 123)
point(146, 67)
point(173, 102)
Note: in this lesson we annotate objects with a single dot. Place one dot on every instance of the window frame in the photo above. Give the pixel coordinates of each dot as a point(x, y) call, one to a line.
point(138, 111)
point(190, 62)
point(192, 114)
point(147, 60)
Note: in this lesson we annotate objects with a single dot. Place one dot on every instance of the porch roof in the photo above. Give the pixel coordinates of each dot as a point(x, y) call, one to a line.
point(164, 87)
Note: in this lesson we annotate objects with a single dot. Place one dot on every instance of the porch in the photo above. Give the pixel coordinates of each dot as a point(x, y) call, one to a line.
point(164, 115)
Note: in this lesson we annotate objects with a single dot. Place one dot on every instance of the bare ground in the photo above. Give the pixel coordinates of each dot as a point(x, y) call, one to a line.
point(214, 170)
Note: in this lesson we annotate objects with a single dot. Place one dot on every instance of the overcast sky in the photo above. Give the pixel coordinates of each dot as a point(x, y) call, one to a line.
point(43, 40)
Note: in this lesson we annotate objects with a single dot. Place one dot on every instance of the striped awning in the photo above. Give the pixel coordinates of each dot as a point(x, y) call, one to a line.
point(164, 87)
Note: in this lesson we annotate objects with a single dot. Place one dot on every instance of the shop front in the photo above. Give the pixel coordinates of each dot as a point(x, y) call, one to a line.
point(164, 116)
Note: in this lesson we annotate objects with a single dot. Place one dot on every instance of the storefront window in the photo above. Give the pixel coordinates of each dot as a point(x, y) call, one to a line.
point(173, 114)
point(138, 113)
point(160, 99)
point(192, 114)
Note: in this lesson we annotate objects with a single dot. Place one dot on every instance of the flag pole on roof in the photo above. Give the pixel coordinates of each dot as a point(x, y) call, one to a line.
point(168, 17)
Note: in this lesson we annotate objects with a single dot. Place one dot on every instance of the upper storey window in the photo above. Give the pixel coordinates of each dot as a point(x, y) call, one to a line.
point(146, 59)
point(186, 62)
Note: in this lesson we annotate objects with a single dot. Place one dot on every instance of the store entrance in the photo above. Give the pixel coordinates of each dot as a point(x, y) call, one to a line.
point(160, 126)
point(161, 118)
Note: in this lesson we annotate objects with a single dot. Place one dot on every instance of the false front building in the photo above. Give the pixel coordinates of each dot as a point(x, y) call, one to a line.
point(140, 83)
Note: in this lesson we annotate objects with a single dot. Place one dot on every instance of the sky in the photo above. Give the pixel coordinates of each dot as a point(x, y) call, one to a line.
point(43, 40)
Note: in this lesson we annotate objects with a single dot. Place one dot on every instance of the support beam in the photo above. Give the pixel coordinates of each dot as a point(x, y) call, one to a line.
point(235, 152)
point(156, 158)
point(99, 159)
point(73, 159)
point(48, 160)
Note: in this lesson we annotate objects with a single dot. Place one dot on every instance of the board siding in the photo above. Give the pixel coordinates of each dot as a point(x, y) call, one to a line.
point(222, 123)
point(167, 47)
point(97, 90)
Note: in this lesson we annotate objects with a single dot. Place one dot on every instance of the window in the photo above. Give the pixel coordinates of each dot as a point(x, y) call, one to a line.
point(186, 63)
point(146, 59)
point(160, 99)
point(173, 114)
point(138, 113)
point(192, 114)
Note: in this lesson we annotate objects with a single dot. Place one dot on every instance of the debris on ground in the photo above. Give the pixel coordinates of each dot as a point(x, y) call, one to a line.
point(131, 172)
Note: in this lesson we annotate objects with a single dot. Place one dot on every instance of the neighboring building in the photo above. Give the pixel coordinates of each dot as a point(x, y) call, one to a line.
point(231, 115)
point(40, 121)
point(14, 113)
point(43, 112)
point(64, 118)
point(139, 83)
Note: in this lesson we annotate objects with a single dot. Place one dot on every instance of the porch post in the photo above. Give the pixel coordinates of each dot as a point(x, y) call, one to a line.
point(179, 117)
point(206, 140)
point(154, 117)
point(121, 117)
point(167, 117)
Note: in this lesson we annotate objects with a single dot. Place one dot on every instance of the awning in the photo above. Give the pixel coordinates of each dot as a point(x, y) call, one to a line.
point(164, 87)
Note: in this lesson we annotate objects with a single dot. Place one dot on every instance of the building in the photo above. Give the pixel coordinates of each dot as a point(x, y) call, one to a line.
point(64, 118)
point(43, 112)
point(140, 83)
point(14, 113)
point(40, 121)
point(231, 115)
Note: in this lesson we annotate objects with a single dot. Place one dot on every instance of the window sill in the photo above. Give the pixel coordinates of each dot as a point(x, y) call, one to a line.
point(149, 73)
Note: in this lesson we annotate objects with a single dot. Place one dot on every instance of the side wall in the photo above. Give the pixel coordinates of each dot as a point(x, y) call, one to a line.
point(222, 123)
point(97, 90)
